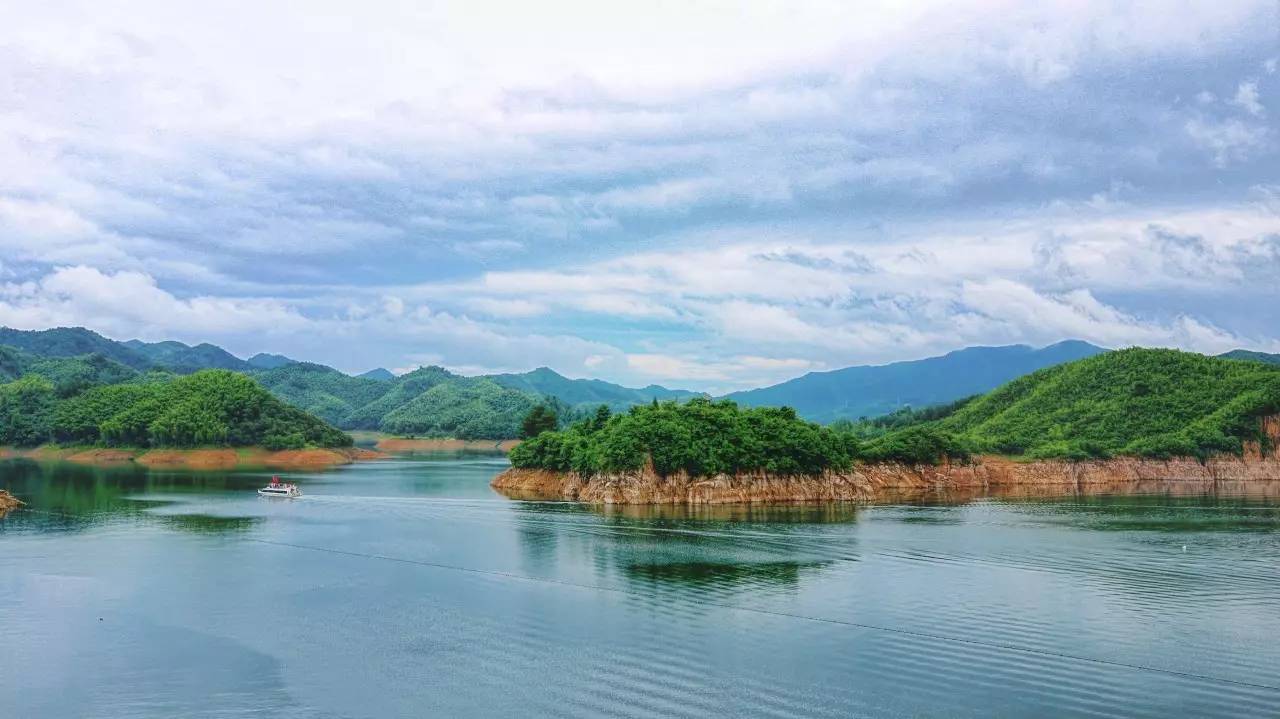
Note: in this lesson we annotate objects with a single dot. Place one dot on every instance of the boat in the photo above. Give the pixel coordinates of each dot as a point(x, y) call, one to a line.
point(280, 489)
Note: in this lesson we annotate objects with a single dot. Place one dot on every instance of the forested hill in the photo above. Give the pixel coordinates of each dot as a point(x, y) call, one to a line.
point(72, 342)
point(593, 392)
point(1139, 402)
point(185, 359)
point(207, 408)
point(868, 391)
point(430, 401)
point(434, 402)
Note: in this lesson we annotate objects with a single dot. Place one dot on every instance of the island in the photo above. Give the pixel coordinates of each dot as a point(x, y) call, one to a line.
point(1114, 419)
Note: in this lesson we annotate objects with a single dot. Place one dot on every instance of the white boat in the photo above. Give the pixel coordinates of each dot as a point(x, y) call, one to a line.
point(280, 489)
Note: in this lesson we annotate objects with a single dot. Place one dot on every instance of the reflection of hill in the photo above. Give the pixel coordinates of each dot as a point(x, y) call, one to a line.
point(207, 523)
point(799, 513)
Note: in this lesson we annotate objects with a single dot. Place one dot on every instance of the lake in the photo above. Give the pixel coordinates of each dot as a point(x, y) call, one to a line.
point(409, 588)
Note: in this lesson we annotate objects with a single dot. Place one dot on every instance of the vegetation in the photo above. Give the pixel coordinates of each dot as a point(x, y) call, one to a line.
point(428, 402)
point(69, 375)
point(322, 391)
point(465, 408)
point(699, 437)
point(1135, 402)
point(865, 428)
point(584, 395)
point(211, 407)
point(540, 419)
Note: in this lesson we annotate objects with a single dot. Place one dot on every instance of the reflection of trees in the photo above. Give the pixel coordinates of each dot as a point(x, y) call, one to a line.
point(81, 495)
point(712, 548)
point(207, 523)
point(719, 575)
point(701, 514)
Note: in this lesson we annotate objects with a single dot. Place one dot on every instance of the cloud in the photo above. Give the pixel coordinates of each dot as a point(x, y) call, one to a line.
point(130, 303)
point(803, 182)
point(1227, 141)
point(1246, 98)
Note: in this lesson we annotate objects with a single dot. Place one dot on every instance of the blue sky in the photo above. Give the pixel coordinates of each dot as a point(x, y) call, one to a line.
point(713, 195)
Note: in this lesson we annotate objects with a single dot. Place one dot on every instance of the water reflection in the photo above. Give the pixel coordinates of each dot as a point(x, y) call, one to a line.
point(77, 496)
point(720, 575)
point(207, 523)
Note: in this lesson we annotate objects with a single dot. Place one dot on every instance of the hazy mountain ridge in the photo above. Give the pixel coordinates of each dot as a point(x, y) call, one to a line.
point(871, 390)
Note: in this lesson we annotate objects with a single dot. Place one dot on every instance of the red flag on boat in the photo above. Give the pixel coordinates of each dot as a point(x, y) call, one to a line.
point(275, 480)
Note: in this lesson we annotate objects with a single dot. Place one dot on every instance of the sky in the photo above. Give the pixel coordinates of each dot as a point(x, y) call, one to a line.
point(713, 195)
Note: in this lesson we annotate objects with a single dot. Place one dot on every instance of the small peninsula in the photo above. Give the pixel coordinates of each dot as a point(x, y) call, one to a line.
point(1121, 417)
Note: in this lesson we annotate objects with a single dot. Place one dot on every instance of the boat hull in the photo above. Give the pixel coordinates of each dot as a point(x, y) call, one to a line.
point(281, 493)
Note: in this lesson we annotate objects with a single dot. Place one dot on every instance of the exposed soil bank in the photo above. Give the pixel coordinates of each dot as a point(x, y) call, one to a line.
point(397, 444)
point(879, 481)
point(220, 458)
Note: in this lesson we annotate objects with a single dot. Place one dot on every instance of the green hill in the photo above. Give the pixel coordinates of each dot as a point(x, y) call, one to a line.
point(1140, 402)
point(72, 342)
point(868, 391)
point(463, 407)
point(262, 360)
point(210, 407)
point(586, 392)
point(396, 394)
point(320, 390)
point(700, 437)
point(184, 359)
point(69, 375)
point(430, 401)
point(381, 374)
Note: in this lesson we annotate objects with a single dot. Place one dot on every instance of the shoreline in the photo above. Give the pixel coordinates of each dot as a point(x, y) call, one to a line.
point(872, 482)
point(220, 458)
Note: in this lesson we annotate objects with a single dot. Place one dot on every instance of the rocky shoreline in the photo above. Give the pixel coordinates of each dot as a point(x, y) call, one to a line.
point(875, 481)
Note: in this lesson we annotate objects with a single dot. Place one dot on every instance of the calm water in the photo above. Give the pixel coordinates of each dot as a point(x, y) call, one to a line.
point(408, 588)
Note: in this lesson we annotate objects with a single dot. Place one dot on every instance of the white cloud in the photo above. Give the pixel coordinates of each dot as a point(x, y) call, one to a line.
point(130, 303)
point(1228, 140)
point(1247, 99)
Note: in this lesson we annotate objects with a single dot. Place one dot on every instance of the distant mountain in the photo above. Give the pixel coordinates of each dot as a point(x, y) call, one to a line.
point(380, 374)
point(1252, 356)
point(79, 342)
point(262, 360)
point(871, 390)
point(72, 342)
point(577, 392)
point(186, 359)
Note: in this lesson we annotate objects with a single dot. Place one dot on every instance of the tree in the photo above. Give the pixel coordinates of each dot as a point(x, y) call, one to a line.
point(600, 418)
point(540, 419)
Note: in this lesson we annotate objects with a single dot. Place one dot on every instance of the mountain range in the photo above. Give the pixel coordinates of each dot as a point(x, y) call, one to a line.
point(434, 401)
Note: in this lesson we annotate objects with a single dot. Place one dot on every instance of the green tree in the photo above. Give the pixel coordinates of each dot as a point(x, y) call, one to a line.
point(539, 419)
